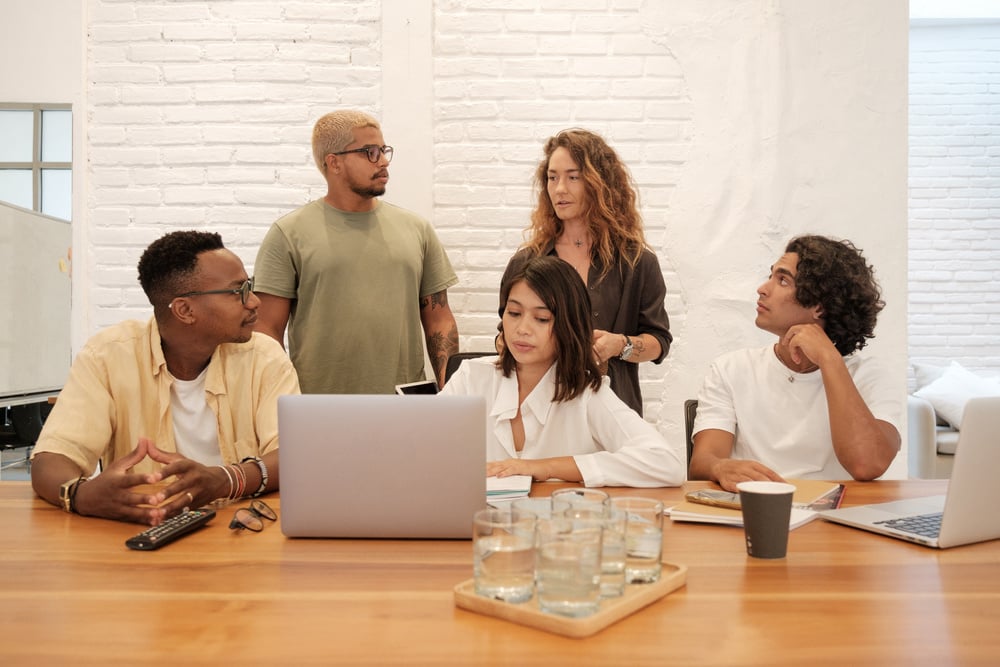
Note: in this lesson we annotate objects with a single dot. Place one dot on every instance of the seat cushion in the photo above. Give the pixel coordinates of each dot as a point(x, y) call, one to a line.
point(952, 390)
point(947, 440)
point(924, 374)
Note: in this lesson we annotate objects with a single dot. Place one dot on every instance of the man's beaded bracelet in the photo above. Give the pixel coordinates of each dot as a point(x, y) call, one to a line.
point(263, 475)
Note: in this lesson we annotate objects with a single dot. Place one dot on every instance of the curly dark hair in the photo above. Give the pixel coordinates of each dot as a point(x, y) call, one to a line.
point(562, 291)
point(612, 211)
point(836, 276)
point(167, 265)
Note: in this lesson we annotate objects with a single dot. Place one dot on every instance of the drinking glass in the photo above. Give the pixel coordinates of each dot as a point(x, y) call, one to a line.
point(504, 555)
point(643, 537)
point(568, 569)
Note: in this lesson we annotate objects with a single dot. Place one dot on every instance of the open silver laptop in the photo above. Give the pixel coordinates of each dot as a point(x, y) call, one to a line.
point(362, 466)
point(966, 514)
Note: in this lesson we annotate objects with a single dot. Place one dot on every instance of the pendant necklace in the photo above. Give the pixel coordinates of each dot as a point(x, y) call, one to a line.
point(581, 264)
point(578, 242)
point(791, 374)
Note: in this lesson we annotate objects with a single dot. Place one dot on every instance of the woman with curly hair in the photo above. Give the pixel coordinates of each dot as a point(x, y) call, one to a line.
point(587, 215)
point(808, 406)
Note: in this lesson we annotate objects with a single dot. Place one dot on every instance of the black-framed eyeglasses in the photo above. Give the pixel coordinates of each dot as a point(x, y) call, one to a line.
point(373, 152)
point(243, 290)
point(252, 518)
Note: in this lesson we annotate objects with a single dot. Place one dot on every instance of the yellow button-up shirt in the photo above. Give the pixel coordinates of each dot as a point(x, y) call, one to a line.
point(118, 391)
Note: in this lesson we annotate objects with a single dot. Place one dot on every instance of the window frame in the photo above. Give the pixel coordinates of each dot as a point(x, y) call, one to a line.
point(37, 165)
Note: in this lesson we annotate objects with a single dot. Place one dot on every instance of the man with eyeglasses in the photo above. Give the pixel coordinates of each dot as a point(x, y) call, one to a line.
point(360, 284)
point(179, 410)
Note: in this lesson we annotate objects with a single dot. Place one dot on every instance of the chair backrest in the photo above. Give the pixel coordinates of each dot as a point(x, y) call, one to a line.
point(690, 410)
point(455, 360)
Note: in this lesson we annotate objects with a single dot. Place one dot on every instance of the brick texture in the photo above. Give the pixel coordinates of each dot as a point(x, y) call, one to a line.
point(954, 178)
point(199, 115)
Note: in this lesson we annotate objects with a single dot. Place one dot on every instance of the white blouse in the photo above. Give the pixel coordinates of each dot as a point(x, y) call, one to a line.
point(610, 443)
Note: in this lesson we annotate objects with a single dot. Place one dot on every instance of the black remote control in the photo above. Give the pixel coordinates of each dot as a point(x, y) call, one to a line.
point(170, 530)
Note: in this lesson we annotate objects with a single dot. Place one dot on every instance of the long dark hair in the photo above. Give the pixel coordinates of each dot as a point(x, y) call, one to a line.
point(562, 291)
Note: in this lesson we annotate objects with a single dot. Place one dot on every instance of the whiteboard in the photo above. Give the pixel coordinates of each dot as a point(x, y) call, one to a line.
point(35, 348)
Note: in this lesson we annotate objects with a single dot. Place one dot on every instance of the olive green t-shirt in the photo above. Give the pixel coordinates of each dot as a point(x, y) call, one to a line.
point(355, 280)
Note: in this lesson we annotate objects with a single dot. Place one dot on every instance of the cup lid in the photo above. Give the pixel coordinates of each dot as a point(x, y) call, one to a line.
point(766, 487)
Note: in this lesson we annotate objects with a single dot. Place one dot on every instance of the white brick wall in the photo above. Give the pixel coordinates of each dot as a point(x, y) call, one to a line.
point(507, 79)
point(199, 114)
point(954, 232)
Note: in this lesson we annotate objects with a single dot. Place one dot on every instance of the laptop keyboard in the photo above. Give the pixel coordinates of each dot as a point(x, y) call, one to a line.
point(927, 525)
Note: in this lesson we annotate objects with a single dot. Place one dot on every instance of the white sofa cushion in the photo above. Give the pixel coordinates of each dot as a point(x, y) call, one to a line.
point(952, 390)
point(946, 439)
point(924, 374)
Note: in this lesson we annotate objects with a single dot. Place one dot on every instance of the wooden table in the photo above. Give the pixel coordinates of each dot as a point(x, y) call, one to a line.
point(73, 594)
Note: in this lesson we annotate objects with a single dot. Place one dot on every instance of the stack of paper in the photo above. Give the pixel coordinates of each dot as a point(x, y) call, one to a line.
point(707, 514)
point(817, 495)
point(810, 495)
point(499, 489)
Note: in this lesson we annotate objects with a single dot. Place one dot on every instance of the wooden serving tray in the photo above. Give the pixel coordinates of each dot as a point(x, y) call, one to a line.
point(611, 611)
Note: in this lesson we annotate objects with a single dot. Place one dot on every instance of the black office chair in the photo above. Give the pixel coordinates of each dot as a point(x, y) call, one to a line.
point(690, 410)
point(20, 426)
point(455, 360)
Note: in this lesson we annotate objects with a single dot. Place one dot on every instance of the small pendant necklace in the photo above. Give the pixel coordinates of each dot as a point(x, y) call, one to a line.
point(792, 373)
point(579, 239)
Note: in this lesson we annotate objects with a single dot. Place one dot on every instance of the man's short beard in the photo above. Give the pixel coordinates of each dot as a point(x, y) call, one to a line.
point(371, 191)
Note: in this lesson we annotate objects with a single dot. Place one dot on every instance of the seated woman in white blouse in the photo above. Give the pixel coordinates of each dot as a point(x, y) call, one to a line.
point(550, 412)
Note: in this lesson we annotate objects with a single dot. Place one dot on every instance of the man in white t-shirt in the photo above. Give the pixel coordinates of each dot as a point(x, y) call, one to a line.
point(808, 406)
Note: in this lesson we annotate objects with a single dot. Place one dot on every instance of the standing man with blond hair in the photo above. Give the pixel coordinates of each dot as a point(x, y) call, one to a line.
point(356, 280)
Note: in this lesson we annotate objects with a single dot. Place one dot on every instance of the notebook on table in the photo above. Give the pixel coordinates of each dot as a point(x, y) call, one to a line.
point(967, 513)
point(361, 466)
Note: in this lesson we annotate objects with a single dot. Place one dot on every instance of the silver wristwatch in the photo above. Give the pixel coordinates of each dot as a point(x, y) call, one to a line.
point(627, 350)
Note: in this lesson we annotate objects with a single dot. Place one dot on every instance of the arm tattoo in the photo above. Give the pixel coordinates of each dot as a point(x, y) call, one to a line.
point(437, 300)
point(440, 346)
